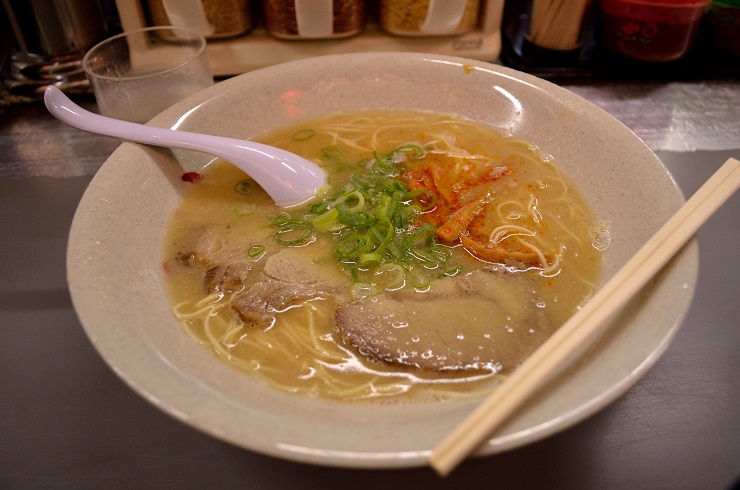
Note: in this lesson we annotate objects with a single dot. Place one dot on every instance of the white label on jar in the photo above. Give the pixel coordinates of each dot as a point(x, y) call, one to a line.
point(188, 14)
point(443, 16)
point(315, 18)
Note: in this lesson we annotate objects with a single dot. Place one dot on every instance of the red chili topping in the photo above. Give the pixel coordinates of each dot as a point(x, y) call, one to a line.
point(191, 177)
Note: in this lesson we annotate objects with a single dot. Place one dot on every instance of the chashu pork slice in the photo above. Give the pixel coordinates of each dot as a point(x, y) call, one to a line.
point(228, 268)
point(482, 320)
point(288, 279)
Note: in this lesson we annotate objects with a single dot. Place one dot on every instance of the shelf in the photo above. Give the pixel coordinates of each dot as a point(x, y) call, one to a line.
point(258, 49)
point(592, 60)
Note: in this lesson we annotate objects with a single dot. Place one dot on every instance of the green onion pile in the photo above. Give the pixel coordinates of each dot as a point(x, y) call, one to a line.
point(374, 221)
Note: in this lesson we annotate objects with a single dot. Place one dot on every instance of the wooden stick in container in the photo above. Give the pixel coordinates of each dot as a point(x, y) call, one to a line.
point(557, 24)
point(587, 324)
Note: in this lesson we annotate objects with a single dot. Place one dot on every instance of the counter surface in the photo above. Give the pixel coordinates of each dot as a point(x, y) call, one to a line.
point(67, 421)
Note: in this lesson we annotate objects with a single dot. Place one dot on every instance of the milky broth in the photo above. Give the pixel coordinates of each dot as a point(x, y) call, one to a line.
point(304, 350)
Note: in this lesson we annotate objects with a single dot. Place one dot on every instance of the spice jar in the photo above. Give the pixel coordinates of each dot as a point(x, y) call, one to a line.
point(214, 19)
point(428, 17)
point(313, 19)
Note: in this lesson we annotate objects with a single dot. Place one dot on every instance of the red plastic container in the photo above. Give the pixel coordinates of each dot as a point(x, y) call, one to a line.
point(650, 30)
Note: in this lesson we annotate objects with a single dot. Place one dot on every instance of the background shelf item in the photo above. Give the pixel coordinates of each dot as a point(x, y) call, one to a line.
point(591, 60)
point(258, 49)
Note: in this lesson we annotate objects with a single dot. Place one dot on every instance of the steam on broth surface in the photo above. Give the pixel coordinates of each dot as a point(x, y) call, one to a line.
point(440, 255)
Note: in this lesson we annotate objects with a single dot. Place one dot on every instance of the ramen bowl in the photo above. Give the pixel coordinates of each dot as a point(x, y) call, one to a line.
point(115, 257)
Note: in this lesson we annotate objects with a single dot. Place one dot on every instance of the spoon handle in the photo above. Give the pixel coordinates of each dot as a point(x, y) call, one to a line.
point(277, 171)
point(68, 112)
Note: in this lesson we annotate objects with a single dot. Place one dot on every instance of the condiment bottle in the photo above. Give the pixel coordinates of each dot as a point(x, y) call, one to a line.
point(428, 17)
point(650, 30)
point(314, 19)
point(214, 19)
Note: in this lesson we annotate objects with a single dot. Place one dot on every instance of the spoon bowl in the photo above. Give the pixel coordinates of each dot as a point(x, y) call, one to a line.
point(286, 177)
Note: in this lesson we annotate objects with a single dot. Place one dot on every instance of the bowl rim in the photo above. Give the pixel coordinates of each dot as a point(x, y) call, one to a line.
point(175, 117)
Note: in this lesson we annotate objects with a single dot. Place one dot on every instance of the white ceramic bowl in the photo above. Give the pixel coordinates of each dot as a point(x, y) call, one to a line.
point(114, 256)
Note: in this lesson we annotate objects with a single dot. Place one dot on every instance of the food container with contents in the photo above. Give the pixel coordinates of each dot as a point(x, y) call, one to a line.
point(650, 30)
point(214, 19)
point(723, 19)
point(428, 17)
point(314, 19)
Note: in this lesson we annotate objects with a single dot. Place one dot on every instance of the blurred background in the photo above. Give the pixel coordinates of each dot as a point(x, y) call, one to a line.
point(44, 40)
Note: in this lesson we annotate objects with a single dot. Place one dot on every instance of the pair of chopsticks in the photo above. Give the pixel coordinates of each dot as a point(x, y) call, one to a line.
point(588, 323)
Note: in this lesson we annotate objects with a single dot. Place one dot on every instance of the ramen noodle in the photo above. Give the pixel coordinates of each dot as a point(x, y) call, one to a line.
point(440, 254)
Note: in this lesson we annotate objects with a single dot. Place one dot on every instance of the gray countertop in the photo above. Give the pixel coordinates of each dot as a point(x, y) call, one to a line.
point(67, 421)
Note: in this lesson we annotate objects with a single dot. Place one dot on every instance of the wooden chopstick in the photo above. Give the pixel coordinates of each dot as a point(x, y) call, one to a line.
point(588, 323)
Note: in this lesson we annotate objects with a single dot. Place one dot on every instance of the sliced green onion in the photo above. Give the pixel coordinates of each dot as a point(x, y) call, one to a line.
point(395, 251)
point(426, 199)
point(352, 245)
point(244, 187)
point(318, 207)
point(421, 236)
point(353, 200)
point(303, 134)
point(384, 167)
point(418, 150)
point(370, 259)
point(332, 153)
point(390, 276)
point(283, 219)
point(452, 272)
point(441, 251)
point(353, 273)
point(360, 219)
point(384, 206)
point(402, 219)
point(294, 234)
point(384, 240)
point(374, 222)
point(418, 279)
point(423, 256)
point(327, 219)
point(255, 251)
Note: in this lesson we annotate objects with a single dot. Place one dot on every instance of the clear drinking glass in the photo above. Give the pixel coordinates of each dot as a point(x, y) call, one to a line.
point(138, 74)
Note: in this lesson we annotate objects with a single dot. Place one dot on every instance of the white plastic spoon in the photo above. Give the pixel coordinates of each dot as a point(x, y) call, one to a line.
point(286, 177)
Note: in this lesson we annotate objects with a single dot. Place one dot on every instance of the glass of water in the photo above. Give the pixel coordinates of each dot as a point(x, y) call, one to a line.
point(138, 74)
